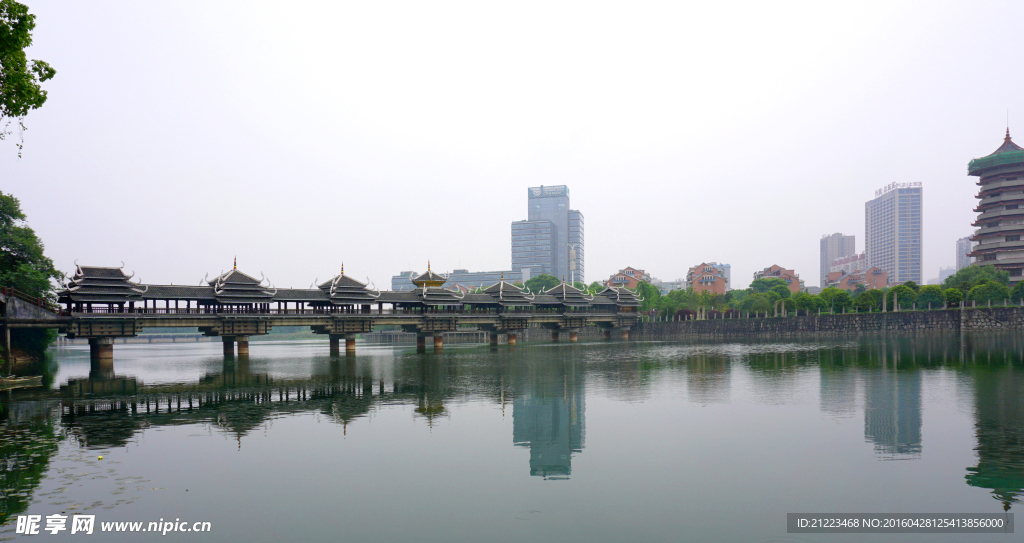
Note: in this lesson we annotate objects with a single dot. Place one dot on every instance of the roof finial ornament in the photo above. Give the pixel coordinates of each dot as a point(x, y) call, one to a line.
point(502, 277)
point(343, 267)
point(236, 262)
point(428, 265)
point(1007, 133)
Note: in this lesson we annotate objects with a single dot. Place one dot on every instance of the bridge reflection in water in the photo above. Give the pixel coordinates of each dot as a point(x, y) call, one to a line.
point(547, 396)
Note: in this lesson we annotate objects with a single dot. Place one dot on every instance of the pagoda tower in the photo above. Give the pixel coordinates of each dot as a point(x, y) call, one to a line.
point(1000, 209)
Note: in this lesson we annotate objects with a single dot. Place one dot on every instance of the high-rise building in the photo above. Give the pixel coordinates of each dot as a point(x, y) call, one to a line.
point(944, 273)
point(551, 239)
point(1000, 209)
point(833, 247)
point(964, 246)
point(892, 231)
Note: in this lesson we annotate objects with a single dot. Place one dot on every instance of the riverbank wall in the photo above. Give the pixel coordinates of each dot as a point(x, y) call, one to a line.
point(952, 321)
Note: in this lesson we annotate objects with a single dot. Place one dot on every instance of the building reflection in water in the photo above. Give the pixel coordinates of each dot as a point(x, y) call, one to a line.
point(838, 383)
point(707, 378)
point(892, 404)
point(999, 429)
point(548, 416)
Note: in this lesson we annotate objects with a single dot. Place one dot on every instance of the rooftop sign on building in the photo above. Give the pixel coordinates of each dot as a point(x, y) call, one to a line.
point(542, 191)
point(893, 186)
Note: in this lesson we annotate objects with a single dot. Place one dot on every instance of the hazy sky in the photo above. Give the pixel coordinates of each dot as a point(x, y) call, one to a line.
point(297, 135)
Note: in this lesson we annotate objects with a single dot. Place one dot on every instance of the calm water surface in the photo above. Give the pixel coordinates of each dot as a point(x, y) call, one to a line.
point(545, 442)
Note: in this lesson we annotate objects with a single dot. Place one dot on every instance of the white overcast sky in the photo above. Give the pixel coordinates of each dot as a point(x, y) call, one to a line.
point(297, 135)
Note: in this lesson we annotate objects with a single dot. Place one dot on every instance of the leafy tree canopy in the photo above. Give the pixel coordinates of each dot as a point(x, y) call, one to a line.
point(835, 299)
point(1017, 292)
point(20, 79)
point(930, 294)
point(901, 294)
point(989, 291)
point(974, 275)
point(869, 299)
point(24, 267)
point(767, 283)
point(650, 294)
point(953, 296)
point(542, 282)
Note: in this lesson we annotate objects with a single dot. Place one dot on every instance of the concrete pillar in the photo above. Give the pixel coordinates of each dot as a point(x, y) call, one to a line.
point(438, 342)
point(606, 334)
point(334, 338)
point(350, 343)
point(573, 337)
point(243, 345)
point(101, 358)
point(421, 343)
point(8, 357)
point(625, 334)
point(493, 337)
point(554, 336)
point(229, 345)
point(511, 338)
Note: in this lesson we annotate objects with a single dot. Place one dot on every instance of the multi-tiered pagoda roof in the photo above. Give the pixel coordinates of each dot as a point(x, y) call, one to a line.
point(235, 287)
point(621, 296)
point(94, 284)
point(567, 295)
point(344, 290)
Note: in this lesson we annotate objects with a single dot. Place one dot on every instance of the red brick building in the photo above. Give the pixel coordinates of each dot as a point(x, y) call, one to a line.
point(789, 276)
point(872, 278)
point(706, 277)
point(628, 277)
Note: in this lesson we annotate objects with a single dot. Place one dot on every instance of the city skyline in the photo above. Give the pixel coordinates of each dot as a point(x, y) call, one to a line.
point(399, 137)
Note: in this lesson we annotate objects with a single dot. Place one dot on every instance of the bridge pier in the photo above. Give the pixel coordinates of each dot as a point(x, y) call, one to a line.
point(350, 343)
point(229, 345)
point(335, 343)
point(438, 341)
point(243, 345)
point(606, 334)
point(511, 338)
point(573, 336)
point(8, 357)
point(421, 343)
point(625, 334)
point(101, 357)
point(493, 337)
point(554, 336)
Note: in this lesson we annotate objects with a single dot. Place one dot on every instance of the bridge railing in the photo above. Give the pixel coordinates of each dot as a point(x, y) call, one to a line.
point(38, 302)
point(320, 311)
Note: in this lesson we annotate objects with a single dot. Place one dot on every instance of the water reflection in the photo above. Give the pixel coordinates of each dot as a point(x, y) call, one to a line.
point(548, 416)
point(547, 390)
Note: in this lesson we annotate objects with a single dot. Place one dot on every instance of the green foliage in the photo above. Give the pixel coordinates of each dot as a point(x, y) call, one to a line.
point(903, 295)
point(542, 282)
point(782, 290)
point(835, 299)
point(912, 286)
point(19, 79)
point(595, 287)
point(767, 283)
point(868, 300)
point(930, 294)
point(650, 294)
point(1017, 293)
point(974, 275)
point(758, 301)
point(953, 296)
point(24, 267)
point(989, 291)
point(860, 288)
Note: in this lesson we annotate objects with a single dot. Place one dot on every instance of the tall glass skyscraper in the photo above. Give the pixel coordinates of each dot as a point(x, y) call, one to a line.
point(832, 247)
point(892, 228)
point(551, 239)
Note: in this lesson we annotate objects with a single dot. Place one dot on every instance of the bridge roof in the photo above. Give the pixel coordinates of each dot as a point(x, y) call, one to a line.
point(621, 296)
point(567, 294)
point(343, 289)
point(95, 284)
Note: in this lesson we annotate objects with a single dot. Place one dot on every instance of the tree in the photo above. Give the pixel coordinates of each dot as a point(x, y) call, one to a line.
point(650, 294)
point(757, 302)
point(989, 291)
point(24, 267)
point(859, 289)
point(782, 290)
point(1017, 293)
point(902, 294)
point(809, 302)
point(869, 299)
point(912, 286)
point(953, 296)
point(542, 282)
point(835, 299)
point(974, 275)
point(595, 287)
point(19, 79)
point(767, 283)
point(930, 294)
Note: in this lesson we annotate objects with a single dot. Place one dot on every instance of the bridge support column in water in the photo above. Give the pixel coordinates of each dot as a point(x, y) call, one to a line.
point(554, 336)
point(625, 334)
point(335, 340)
point(421, 343)
point(493, 337)
point(243, 345)
point(229, 345)
point(101, 357)
point(438, 342)
point(350, 343)
point(573, 336)
point(606, 334)
point(511, 338)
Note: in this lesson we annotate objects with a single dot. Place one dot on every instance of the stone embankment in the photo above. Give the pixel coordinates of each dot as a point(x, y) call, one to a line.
point(903, 322)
